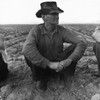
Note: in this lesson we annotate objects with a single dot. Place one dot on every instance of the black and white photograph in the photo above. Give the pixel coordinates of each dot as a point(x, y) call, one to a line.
point(49, 50)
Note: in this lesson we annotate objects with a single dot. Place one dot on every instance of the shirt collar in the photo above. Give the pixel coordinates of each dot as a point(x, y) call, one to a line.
point(44, 31)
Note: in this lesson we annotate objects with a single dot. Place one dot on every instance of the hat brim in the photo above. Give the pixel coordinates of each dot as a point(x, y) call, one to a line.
point(46, 11)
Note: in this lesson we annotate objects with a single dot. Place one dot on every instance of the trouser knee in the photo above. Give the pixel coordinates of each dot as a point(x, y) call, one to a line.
point(70, 70)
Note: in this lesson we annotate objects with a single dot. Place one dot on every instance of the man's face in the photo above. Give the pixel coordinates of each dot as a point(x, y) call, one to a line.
point(52, 18)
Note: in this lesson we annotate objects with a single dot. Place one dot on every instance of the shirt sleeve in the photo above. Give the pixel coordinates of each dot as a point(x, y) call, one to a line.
point(71, 36)
point(31, 52)
point(4, 55)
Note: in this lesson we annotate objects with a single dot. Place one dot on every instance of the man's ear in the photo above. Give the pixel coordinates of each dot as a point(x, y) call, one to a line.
point(43, 17)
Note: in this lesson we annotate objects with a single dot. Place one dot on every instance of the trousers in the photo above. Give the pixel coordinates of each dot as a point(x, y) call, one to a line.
point(96, 49)
point(3, 69)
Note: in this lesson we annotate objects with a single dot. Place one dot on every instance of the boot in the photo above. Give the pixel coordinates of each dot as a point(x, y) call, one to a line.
point(42, 85)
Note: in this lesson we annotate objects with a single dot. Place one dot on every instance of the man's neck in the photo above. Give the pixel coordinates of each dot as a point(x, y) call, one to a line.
point(49, 27)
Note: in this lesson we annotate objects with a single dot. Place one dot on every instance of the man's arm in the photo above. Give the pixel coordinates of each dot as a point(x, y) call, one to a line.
point(81, 44)
point(31, 52)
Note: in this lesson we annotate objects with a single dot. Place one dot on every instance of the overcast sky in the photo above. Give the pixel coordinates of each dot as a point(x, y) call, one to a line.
point(23, 11)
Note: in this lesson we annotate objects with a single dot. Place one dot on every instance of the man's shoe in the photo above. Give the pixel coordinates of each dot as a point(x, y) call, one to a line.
point(41, 85)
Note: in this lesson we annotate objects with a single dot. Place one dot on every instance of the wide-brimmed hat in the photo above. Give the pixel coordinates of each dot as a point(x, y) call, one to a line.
point(47, 8)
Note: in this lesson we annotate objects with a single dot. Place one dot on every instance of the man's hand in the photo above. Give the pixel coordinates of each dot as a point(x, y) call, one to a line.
point(60, 67)
point(53, 65)
point(65, 63)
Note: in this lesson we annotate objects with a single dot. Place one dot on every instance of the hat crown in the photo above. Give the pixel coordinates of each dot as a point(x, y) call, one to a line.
point(49, 5)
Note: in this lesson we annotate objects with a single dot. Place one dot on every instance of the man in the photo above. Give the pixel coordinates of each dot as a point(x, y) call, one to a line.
point(43, 49)
point(96, 48)
point(3, 60)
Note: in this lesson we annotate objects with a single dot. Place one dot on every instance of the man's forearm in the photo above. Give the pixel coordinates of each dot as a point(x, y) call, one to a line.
point(78, 52)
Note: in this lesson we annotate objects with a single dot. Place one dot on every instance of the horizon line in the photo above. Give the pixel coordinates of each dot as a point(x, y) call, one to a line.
point(38, 23)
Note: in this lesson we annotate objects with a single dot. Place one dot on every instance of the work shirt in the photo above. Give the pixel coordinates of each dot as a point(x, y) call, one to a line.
point(42, 46)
